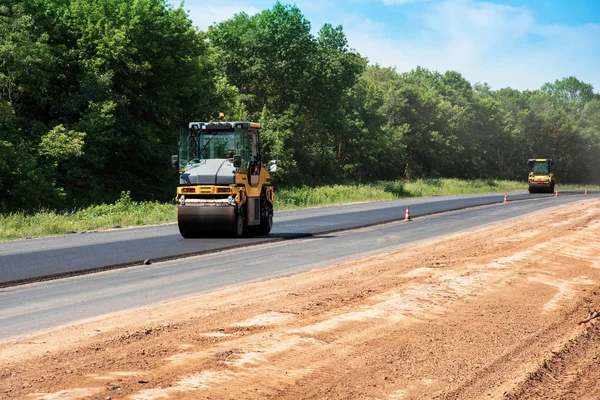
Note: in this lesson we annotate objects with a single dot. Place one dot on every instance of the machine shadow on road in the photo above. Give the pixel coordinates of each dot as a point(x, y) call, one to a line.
point(291, 235)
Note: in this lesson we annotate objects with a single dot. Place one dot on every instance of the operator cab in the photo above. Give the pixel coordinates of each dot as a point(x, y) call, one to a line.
point(539, 166)
point(214, 152)
point(236, 142)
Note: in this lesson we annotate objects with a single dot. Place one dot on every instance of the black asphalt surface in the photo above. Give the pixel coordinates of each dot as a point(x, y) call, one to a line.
point(29, 260)
point(37, 306)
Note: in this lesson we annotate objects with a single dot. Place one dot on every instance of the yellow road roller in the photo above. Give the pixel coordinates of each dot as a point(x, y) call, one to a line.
point(541, 177)
point(224, 186)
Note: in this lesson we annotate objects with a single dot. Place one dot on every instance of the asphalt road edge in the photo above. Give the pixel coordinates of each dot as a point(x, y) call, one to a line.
point(267, 240)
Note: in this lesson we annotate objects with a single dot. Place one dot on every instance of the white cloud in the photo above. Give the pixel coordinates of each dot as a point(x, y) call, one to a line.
point(472, 29)
point(486, 42)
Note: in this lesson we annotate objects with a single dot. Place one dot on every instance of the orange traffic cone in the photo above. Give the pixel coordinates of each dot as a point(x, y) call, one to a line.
point(556, 193)
point(585, 191)
point(505, 198)
point(407, 215)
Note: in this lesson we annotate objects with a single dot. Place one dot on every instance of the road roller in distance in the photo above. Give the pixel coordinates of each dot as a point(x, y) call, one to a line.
point(541, 177)
point(224, 186)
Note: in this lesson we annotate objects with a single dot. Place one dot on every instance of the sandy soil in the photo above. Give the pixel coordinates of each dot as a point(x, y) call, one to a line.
point(508, 311)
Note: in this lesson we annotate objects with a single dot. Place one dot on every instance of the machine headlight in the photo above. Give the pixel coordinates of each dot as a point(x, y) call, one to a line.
point(231, 201)
point(182, 201)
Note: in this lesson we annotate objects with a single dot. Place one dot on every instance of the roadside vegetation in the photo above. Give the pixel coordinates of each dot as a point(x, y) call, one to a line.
point(128, 213)
point(123, 213)
point(305, 197)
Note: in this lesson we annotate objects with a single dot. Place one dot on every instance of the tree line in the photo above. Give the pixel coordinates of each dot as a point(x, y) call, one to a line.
point(93, 94)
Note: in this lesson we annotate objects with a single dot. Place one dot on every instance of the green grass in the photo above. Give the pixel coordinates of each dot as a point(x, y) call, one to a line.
point(126, 212)
point(305, 197)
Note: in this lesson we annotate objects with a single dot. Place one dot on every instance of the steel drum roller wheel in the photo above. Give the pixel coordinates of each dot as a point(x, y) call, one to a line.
point(196, 222)
point(185, 230)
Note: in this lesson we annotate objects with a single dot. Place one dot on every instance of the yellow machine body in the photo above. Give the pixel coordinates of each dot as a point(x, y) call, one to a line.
point(225, 188)
point(540, 178)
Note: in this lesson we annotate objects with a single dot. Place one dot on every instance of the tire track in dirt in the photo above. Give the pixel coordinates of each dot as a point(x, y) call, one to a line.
point(571, 373)
point(509, 365)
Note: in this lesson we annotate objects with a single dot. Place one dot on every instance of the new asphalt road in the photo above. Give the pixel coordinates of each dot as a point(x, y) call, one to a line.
point(30, 260)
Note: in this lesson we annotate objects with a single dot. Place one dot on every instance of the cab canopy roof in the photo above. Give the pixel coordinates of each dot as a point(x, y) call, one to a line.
point(533, 161)
point(224, 126)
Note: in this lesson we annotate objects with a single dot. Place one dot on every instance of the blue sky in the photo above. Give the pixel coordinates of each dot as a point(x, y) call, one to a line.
point(507, 43)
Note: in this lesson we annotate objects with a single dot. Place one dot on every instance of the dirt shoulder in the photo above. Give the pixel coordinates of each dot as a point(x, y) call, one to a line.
point(508, 311)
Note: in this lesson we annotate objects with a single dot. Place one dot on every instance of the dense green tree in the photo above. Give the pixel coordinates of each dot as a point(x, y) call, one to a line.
point(100, 89)
point(94, 92)
point(570, 92)
point(25, 71)
point(266, 56)
point(294, 83)
point(153, 72)
point(590, 132)
point(366, 146)
point(18, 175)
